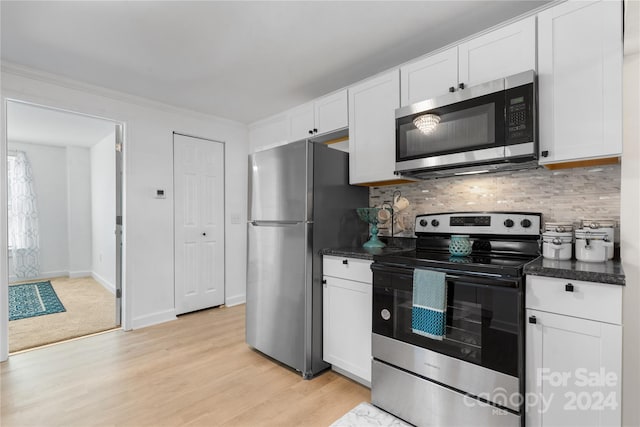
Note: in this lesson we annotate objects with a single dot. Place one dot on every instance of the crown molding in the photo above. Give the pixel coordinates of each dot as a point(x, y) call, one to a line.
point(7, 67)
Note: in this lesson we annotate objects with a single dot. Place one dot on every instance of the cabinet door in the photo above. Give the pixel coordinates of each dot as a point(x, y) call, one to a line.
point(331, 112)
point(500, 53)
point(268, 132)
point(372, 136)
point(566, 357)
point(347, 325)
point(301, 122)
point(580, 81)
point(429, 77)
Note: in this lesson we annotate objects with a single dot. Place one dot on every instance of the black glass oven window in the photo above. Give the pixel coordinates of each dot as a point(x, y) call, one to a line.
point(468, 125)
point(482, 321)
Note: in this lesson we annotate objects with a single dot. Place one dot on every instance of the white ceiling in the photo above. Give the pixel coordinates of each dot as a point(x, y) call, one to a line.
point(240, 60)
point(33, 124)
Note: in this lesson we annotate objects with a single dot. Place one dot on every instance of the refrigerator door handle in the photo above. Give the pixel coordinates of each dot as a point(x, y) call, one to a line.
point(274, 223)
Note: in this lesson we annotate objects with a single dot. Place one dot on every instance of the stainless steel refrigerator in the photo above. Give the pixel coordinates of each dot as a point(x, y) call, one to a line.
point(299, 203)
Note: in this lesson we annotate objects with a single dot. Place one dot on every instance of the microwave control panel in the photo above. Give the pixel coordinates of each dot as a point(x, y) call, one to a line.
point(519, 114)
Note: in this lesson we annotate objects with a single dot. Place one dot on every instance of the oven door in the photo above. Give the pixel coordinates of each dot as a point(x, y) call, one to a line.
point(483, 317)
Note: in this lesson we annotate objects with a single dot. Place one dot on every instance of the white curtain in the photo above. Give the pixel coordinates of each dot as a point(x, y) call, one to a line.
point(24, 238)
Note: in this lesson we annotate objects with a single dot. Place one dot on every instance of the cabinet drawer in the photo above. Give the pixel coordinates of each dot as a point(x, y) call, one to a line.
point(587, 300)
point(353, 269)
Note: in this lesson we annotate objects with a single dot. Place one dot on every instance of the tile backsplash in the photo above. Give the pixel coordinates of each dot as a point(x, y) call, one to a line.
point(560, 195)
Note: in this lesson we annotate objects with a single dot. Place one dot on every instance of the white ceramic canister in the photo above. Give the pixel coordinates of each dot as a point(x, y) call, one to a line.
point(607, 225)
point(591, 246)
point(557, 245)
point(559, 227)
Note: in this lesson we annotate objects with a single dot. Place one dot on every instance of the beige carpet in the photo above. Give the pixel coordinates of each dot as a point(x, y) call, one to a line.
point(90, 308)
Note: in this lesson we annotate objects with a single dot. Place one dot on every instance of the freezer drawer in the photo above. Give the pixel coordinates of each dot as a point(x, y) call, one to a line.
point(278, 285)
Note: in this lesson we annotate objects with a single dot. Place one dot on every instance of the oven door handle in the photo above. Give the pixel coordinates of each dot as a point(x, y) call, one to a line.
point(477, 279)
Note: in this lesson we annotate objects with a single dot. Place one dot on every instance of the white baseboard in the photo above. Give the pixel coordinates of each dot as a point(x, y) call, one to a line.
point(104, 282)
point(235, 300)
point(41, 276)
point(154, 319)
point(76, 274)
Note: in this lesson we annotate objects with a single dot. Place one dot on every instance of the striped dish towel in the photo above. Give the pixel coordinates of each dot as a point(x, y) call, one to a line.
point(428, 313)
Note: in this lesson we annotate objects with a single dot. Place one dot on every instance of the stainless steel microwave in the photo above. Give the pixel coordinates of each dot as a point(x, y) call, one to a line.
point(482, 128)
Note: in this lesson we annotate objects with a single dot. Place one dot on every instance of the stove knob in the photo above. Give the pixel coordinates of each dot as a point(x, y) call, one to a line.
point(423, 223)
point(508, 223)
point(526, 223)
point(435, 222)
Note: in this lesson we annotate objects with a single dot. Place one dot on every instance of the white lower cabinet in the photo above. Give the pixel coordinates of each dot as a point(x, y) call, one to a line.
point(573, 364)
point(347, 299)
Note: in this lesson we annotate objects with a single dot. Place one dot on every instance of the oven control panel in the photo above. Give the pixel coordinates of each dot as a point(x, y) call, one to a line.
point(508, 223)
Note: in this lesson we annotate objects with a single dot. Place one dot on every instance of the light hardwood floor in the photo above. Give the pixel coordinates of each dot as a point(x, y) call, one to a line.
point(196, 371)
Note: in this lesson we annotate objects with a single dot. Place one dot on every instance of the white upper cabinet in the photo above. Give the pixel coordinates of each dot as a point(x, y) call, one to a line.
point(372, 106)
point(500, 53)
point(506, 51)
point(429, 77)
point(331, 112)
point(301, 122)
point(580, 81)
point(268, 132)
point(323, 115)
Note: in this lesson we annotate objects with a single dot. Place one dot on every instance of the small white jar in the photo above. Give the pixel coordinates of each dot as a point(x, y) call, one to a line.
point(557, 245)
point(592, 246)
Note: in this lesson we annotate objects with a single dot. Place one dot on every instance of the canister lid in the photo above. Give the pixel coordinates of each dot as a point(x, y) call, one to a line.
point(588, 233)
point(598, 223)
point(557, 238)
point(559, 227)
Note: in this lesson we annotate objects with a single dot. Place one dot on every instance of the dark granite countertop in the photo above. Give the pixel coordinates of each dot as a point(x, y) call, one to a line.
point(601, 272)
point(394, 244)
point(361, 253)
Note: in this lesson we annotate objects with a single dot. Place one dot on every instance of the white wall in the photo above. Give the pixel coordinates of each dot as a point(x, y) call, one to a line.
point(103, 211)
point(79, 211)
point(630, 219)
point(49, 167)
point(148, 222)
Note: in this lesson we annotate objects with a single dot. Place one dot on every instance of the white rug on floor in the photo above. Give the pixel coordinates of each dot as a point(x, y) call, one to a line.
point(367, 415)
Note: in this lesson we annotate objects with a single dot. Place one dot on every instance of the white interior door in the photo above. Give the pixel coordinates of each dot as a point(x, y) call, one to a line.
point(199, 223)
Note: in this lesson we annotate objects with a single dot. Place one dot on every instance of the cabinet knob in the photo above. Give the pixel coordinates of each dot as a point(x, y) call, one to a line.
point(545, 153)
point(324, 281)
point(310, 132)
point(452, 89)
point(345, 261)
point(532, 319)
point(461, 85)
point(568, 287)
point(315, 130)
point(204, 234)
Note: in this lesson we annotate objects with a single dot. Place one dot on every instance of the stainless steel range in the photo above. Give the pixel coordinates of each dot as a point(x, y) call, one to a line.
point(474, 373)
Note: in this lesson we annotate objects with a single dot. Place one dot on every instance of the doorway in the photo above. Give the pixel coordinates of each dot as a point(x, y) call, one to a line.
point(63, 194)
point(199, 223)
